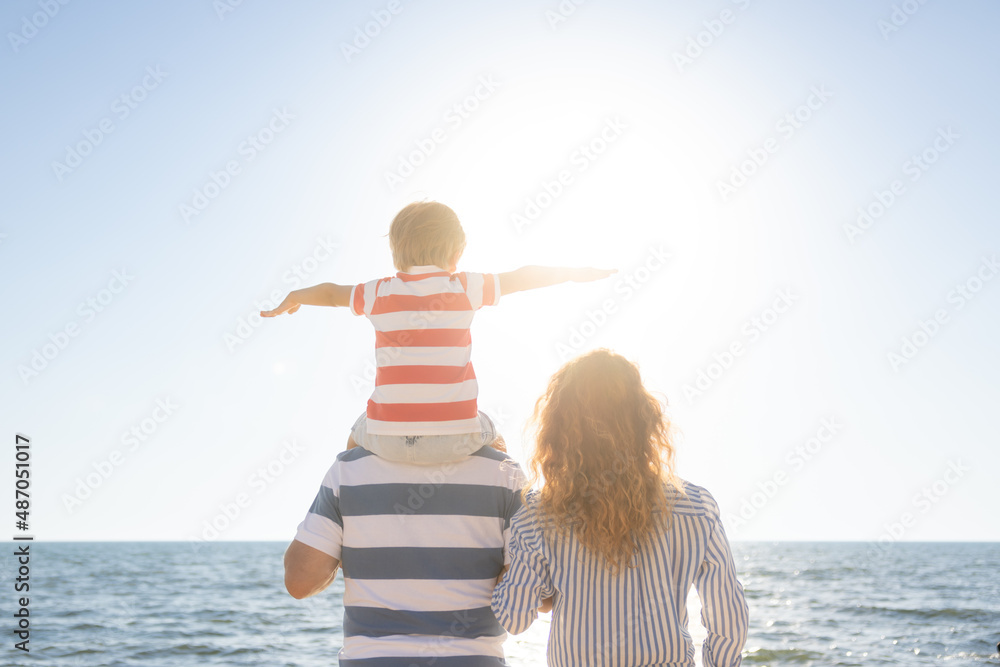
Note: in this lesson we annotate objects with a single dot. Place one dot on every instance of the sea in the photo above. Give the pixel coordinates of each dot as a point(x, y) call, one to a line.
point(186, 604)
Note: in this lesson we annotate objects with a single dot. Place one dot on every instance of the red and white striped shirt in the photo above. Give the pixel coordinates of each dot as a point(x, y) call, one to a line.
point(424, 382)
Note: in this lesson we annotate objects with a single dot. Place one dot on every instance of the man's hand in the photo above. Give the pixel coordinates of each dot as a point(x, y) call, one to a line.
point(289, 305)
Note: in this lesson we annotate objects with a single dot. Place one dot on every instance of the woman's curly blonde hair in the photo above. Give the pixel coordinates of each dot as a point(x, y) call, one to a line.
point(605, 457)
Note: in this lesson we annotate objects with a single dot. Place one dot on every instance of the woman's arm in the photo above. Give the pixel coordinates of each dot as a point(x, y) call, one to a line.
point(724, 610)
point(546, 604)
point(526, 586)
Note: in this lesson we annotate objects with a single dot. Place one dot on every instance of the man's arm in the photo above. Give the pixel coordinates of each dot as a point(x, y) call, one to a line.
point(533, 277)
point(325, 294)
point(308, 571)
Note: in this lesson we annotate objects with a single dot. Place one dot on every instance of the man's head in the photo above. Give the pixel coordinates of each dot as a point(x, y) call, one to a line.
point(426, 233)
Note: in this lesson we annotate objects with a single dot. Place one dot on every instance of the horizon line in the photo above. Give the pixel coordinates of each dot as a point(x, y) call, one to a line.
point(205, 542)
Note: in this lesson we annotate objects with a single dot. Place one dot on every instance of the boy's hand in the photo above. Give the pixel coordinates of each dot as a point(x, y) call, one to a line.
point(533, 277)
point(586, 275)
point(325, 294)
point(289, 305)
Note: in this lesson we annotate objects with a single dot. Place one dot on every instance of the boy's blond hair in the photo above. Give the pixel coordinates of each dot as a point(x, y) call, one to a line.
point(425, 233)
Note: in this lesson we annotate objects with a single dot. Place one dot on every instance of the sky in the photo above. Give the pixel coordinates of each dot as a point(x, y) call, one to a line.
point(798, 198)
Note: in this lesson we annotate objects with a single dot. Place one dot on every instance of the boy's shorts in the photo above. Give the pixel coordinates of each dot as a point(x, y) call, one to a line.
point(423, 448)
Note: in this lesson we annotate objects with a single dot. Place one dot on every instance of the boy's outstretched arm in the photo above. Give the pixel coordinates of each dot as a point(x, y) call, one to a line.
point(533, 277)
point(325, 294)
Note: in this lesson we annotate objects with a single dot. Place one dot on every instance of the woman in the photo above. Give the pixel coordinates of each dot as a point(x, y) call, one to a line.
point(613, 536)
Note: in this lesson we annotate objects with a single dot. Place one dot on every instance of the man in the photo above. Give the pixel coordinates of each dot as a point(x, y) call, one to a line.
point(421, 548)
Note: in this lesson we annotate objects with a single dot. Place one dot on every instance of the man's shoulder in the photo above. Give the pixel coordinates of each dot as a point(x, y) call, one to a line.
point(351, 455)
point(486, 467)
point(493, 454)
point(501, 459)
point(506, 466)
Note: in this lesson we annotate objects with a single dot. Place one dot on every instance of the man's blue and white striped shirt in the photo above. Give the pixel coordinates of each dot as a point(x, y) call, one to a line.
point(638, 617)
point(421, 547)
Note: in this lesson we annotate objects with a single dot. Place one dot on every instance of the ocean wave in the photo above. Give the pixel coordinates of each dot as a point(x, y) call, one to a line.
point(926, 614)
point(756, 656)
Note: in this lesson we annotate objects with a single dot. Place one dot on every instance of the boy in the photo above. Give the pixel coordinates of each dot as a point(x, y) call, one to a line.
point(423, 408)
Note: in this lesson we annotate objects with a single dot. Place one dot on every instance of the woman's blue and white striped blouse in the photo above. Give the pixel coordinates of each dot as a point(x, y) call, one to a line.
point(638, 617)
